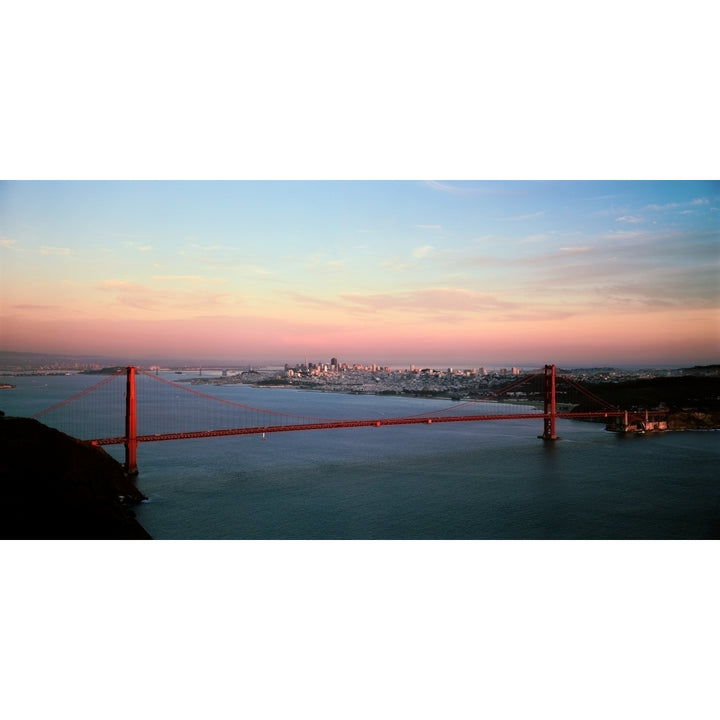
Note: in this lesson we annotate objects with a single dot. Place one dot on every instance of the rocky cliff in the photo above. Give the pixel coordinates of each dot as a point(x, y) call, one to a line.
point(53, 486)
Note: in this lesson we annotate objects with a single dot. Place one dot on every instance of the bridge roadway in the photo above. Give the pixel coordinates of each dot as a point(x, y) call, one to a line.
point(330, 425)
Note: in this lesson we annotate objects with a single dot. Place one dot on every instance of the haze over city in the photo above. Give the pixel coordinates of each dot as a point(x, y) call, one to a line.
point(392, 272)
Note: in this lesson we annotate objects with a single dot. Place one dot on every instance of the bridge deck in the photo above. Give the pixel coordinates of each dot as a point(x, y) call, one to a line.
point(119, 440)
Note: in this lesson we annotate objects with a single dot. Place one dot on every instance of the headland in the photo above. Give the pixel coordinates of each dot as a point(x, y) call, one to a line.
point(56, 487)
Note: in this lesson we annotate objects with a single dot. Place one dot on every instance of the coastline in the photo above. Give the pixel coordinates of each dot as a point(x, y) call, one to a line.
point(678, 419)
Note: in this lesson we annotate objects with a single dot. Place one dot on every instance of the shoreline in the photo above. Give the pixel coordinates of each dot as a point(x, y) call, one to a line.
point(439, 396)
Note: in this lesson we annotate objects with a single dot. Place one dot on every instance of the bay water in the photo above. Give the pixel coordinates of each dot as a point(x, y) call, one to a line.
point(481, 480)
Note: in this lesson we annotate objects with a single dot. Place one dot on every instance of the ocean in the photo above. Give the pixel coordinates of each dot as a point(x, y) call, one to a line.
point(484, 480)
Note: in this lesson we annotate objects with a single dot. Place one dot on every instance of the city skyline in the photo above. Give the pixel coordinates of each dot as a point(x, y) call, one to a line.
point(393, 272)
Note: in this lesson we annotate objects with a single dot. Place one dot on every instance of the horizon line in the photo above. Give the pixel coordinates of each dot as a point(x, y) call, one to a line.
point(157, 359)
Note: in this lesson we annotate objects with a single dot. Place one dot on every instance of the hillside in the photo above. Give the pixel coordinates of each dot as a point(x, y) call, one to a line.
point(693, 401)
point(699, 393)
point(56, 487)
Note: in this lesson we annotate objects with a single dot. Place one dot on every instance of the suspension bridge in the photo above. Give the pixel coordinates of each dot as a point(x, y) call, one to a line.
point(135, 406)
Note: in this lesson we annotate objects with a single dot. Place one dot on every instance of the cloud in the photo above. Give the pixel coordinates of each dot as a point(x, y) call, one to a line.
point(482, 261)
point(660, 290)
point(427, 301)
point(137, 246)
point(120, 285)
point(457, 299)
point(186, 278)
point(133, 294)
point(538, 237)
point(7, 242)
point(320, 263)
point(578, 249)
point(226, 257)
point(395, 263)
point(227, 263)
point(142, 297)
point(200, 301)
point(667, 206)
point(206, 248)
point(672, 270)
point(629, 219)
point(429, 227)
point(528, 216)
point(130, 235)
point(625, 235)
point(646, 293)
point(303, 299)
point(539, 316)
point(42, 308)
point(50, 250)
point(254, 269)
point(423, 252)
point(674, 205)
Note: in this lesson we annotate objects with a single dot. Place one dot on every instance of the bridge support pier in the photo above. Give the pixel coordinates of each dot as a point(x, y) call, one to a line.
point(131, 441)
point(549, 407)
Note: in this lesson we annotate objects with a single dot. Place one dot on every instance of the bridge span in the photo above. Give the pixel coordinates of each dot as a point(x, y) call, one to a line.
point(201, 417)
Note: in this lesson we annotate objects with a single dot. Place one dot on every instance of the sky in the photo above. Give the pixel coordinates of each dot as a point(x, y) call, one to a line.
point(394, 272)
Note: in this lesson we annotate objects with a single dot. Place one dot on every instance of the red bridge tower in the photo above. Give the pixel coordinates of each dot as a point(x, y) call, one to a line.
point(131, 441)
point(549, 404)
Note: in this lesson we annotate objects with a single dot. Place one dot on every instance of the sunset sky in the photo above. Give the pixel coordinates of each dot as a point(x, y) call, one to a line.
point(458, 273)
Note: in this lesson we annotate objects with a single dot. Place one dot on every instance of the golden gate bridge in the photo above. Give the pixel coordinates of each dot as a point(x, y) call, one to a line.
point(134, 406)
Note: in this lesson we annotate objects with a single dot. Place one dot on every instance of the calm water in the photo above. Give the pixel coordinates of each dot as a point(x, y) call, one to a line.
point(450, 481)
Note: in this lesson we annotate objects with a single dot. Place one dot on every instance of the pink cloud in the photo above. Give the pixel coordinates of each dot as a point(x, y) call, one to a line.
point(433, 300)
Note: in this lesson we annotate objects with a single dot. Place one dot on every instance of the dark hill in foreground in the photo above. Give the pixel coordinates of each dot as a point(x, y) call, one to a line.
point(56, 487)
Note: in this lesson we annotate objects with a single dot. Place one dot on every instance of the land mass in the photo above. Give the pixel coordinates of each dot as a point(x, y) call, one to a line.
point(692, 398)
point(693, 402)
point(57, 487)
